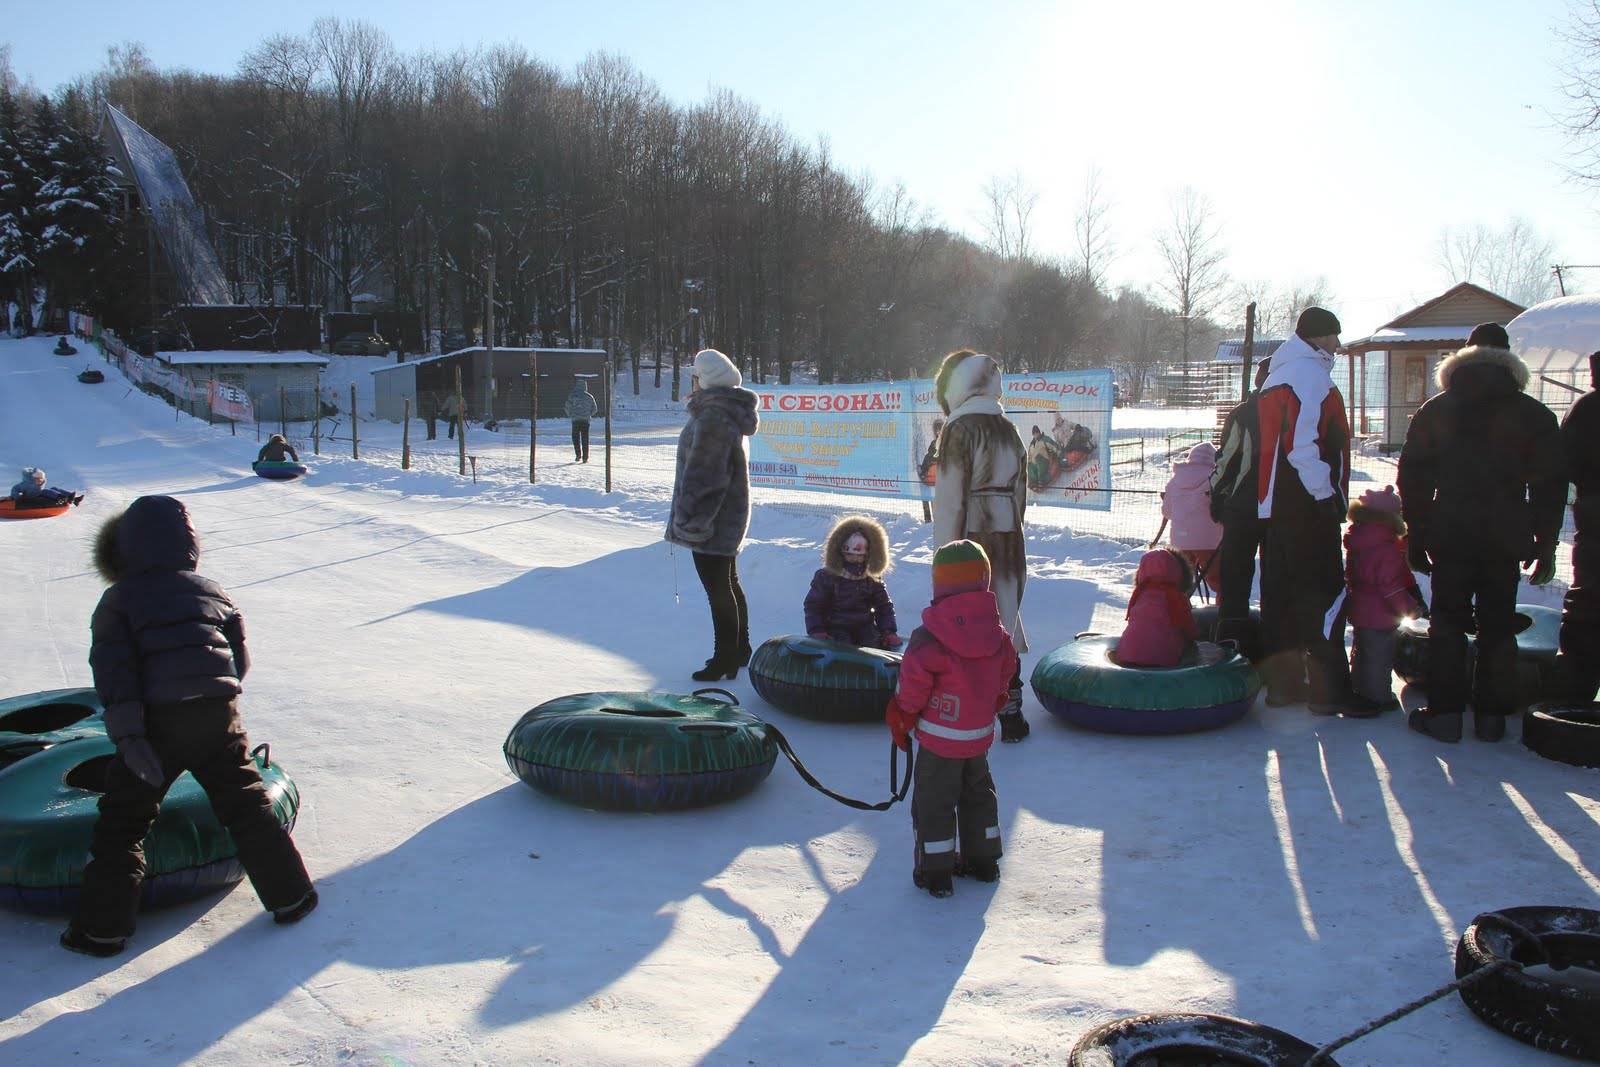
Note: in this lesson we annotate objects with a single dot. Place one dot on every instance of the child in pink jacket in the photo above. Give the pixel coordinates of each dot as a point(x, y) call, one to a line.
point(1186, 505)
point(1382, 591)
point(955, 677)
point(1161, 625)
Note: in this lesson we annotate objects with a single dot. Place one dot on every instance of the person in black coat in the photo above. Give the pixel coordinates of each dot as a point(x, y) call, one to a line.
point(168, 654)
point(848, 601)
point(1579, 659)
point(276, 450)
point(1482, 490)
point(1233, 504)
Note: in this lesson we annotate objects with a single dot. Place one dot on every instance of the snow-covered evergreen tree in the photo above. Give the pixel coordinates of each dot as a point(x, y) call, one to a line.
point(18, 196)
point(79, 232)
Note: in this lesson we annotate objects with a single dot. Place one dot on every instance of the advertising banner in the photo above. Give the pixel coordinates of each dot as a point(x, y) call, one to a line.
point(229, 401)
point(881, 439)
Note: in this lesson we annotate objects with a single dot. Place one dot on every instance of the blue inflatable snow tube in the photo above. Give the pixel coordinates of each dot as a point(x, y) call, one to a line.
point(278, 472)
point(1081, 683)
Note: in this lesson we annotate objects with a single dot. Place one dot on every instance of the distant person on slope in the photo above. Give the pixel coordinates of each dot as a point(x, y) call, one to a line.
point(710, 509)
point(580, 408)
point(982, 492)
point(277, 450)
point(1579, 660)
point(168, 654)
point(848, 601)
point(32, 491)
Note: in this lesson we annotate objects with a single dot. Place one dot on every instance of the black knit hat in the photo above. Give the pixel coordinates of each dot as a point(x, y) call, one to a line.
point(1489, 335)
point(1317, 322)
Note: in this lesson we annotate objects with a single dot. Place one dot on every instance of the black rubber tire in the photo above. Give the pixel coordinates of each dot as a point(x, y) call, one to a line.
point(1567, 733)
point(1251, 646)
point(1554, 1016)
point(1190, 1038)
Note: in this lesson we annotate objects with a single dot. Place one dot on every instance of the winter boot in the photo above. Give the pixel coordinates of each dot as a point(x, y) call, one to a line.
point(75, 940)
point(982, 870)
point(296, 911)
point(937, 883)
point(1013, 727)
point(745, 652)
point(717, 670)
point(1441, 726)
point(1487, 727)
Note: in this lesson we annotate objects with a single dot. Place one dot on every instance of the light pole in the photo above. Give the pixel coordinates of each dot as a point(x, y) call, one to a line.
point(488, 325)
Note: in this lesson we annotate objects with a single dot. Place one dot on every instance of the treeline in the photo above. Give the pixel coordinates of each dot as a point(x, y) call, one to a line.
point(329, 165)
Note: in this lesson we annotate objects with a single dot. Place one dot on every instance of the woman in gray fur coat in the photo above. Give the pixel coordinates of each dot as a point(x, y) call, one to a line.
point(982, 492)
point(711, 502)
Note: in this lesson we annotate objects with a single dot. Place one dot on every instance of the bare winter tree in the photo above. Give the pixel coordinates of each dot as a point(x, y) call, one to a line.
point(1096, 247)
point(1581, 74)
point(1277, 307)
point(1514, 261)
point(1191, 250)
point(1008, 204)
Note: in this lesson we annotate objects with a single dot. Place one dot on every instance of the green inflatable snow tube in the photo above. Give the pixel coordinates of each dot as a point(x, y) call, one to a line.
point(642, 751)
point(1081, 683)
point(35, 721)
point(820, 679)
point(48, 807)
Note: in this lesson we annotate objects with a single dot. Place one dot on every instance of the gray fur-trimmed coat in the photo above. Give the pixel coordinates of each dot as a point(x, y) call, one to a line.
point(711, 493)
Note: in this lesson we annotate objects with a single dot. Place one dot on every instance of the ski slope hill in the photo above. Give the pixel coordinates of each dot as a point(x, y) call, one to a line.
point(1307, 873)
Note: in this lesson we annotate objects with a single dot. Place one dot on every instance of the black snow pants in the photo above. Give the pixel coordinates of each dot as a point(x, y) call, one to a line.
point(730, 617)
point(1236, 557)
point(1302, 606)
point(1472, 585)
point(1579, 658)
point(953, 797)
point(580, 440)
point(205, 738)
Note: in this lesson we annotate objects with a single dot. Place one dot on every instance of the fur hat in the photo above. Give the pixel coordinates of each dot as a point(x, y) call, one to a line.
point(715, 370)
point(1380, 506)
point(963, 375)
point(1489, 335)
point(34, 473)
point(960, 567)
point(878, 562)
point(1317, 322)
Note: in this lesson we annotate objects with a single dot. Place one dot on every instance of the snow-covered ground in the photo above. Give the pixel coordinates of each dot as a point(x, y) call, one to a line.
point(1303, 872)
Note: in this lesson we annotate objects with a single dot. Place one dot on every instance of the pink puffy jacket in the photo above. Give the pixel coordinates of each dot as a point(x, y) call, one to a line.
point(1160, 621)
point(1382, 589)
point(1186, 502)
point(957, 670)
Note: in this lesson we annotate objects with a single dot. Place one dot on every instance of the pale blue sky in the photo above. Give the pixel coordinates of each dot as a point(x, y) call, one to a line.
point(1333, 138)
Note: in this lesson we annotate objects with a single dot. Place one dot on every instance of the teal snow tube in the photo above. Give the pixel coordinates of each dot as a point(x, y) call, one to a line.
point(820, 679)
point(48, 807)
point(1081, 683)
point(641, 751)
point(34, 721)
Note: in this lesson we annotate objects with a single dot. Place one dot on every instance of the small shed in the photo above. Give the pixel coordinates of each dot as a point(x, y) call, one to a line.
point(273, 379)
point(1407, 351)
point(497, 382)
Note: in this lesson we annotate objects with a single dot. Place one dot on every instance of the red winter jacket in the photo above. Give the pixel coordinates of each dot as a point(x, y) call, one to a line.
point(957, 671)
point(1160, 621)
point(1304, 446)
point(1382, 589)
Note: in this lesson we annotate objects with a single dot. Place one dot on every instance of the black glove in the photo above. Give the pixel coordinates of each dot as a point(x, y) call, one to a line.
point(125, 727)
point(1543, 562)
point(1417, 555)
point(1331, 509)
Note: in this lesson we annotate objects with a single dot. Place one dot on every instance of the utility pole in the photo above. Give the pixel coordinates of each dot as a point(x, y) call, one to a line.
point(488, 326)
point(1248, 352)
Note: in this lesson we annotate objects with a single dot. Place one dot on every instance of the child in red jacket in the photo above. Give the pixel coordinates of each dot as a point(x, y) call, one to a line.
point(955, 677)
point(1382, 591)
point(1160, 622)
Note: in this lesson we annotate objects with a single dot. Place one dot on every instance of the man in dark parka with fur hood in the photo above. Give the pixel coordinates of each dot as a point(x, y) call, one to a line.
point(168, 656)
point(1482, 488)
point(1579, 658)
point(848, 601)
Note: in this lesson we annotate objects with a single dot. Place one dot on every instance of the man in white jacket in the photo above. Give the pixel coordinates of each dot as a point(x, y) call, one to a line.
point(1303, 484)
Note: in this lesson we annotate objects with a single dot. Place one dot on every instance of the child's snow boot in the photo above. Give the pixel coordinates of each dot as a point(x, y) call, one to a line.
point(982, 870)
point(1486, 727)
point(1441, 726)
point(75, 940)
point(937, 883)
point(296, 911)
point(1013, 727)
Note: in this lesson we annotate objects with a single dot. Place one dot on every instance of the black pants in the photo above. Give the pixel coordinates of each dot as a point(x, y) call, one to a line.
point(580, 440)
point(730, 618)
point(452, 420)
point(1302, 607)
point(951, 798)
point(433, 426)
point(1579, 659)
point(1236, 559)
point(205, 738)
point(1468, 585)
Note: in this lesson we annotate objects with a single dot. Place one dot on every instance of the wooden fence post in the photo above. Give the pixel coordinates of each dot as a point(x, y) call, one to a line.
point(461, 426)
point(533, 416)
point(283, 412)
point(608, 426)
point(355, 424)
point(316, 427)
point(405, 438)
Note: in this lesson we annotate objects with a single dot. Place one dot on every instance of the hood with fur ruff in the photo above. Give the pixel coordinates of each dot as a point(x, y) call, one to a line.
point(878, 562)
point(153, 534)
point(1482, 356)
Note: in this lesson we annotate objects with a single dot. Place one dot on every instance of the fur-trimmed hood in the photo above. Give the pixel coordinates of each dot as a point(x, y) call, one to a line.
point(878, 561)
point(1362, 513)
point(153, 534)
point(1482, 355)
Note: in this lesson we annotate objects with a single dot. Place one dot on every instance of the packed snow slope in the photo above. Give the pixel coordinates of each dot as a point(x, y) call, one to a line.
point(1308, 873)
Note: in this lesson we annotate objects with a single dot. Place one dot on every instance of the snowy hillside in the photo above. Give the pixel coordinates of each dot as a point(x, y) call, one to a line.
point(1303, 872)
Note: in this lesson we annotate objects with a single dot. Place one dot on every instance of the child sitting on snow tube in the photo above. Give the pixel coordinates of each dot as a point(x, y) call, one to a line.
point(848, 601)
point(277, 450)
point(1161, 625)
point(31, 491)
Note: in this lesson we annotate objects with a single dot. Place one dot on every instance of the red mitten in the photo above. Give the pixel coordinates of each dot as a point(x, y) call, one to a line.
point(892, 640)
point(901, 722)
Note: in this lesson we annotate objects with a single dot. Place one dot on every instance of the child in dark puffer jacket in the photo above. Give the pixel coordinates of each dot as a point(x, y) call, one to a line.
point(168, 653)
point(848, 601)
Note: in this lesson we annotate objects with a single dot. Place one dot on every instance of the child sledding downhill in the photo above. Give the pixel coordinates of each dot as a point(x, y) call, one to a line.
point(1382, 592)
point(1161, 627)
point(848, 601)
point(168, 652)
point(954, 679)
point(33, 492)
